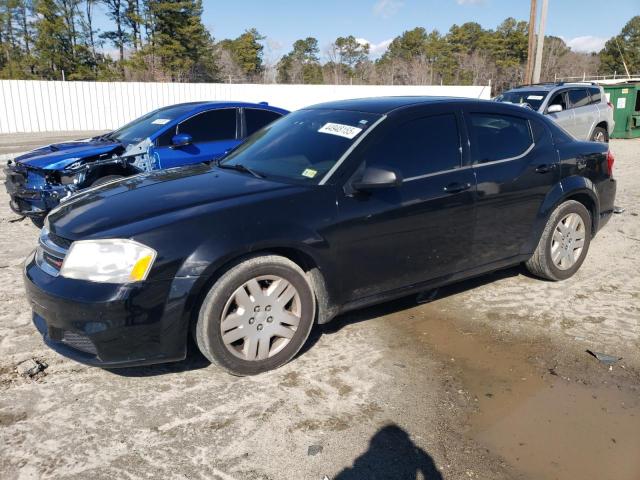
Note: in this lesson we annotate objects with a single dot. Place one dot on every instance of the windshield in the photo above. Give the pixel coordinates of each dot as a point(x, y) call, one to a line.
point(533, 98)
point(303, 146)
point(148, 124)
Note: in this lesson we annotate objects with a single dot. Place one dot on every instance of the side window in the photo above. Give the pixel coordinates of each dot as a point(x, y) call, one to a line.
point(419, 147)
point(498, 137)
point(256, 119)
point(211, 125)
point(558, 99)
point(578, 98)
point(596, 95)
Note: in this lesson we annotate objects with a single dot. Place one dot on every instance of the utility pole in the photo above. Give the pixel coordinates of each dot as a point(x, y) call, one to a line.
point(543, 20)
point(532, 41)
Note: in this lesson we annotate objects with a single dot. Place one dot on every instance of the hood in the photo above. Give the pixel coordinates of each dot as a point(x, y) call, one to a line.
point(149, 196)
point(57, 156)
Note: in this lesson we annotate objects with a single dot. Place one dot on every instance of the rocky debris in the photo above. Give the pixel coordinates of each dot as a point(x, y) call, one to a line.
point(31, 368)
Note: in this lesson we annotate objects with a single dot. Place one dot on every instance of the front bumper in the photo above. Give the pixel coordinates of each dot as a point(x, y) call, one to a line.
point(110, 325)
point(29, 201)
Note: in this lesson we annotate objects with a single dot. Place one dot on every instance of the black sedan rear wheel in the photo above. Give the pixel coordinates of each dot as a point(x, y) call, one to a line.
point(257, 316)
point(564, 243)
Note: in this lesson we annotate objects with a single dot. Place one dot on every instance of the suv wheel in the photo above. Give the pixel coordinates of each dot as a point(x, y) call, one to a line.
point(600, 135)
point(564, 243)
point(257, 316)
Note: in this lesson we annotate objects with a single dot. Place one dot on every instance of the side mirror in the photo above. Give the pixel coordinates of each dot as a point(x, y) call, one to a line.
point(181, 140)
point(555, 108)
point(374, 178)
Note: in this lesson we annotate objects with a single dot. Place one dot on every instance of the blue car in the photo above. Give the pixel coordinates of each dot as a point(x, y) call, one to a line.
point(169, 137)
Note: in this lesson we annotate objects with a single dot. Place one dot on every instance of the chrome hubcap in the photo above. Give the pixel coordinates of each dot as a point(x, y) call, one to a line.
point(599, 137)
point(568, 241)
point(260, 318)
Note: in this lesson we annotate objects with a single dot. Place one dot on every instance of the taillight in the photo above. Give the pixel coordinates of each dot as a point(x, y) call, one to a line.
point(610, 104)
point(610, 161)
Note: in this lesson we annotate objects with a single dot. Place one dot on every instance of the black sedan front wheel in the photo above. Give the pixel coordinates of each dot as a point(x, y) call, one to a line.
point(257, 316)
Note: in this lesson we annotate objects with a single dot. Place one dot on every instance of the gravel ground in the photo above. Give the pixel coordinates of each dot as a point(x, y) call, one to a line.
point(397, 391)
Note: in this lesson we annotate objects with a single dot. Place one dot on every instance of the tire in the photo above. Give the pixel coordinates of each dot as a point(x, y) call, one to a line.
point(542, 262)
point(37, 221)
point(106, 179)
point(600, 135)
point(252, 325)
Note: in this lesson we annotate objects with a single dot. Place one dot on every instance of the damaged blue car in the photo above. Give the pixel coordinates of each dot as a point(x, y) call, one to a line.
point(169, 137)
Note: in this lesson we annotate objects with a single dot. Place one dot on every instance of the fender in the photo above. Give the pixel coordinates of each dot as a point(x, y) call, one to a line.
point(566, 188)
point(214, 256)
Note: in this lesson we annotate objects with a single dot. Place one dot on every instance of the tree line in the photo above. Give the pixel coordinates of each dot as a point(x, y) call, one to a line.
point(165, 40)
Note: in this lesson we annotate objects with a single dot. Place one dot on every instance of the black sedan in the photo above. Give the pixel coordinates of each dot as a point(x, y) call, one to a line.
point(329, 209)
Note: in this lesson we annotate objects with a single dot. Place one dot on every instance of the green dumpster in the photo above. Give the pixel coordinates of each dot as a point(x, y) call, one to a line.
point(625, 98)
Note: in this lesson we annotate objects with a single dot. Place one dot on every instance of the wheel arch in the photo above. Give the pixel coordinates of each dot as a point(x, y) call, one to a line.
point(301, 256)
point(577, 188)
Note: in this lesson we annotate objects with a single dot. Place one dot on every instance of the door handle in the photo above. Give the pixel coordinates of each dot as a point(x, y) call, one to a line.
point(545, 168)
point(457, 187)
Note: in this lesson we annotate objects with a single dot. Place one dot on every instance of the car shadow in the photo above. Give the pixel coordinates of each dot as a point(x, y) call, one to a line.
point(196, 361)
point(404, 303)
point(391, 455)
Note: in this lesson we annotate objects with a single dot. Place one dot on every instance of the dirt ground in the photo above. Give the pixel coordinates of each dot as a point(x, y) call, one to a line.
point(489, 380)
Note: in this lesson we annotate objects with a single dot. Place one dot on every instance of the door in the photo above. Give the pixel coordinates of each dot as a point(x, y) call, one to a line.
point(565, 117)
point(516, 165)
point(213, 133)
point(423, 229)
point(585, 115)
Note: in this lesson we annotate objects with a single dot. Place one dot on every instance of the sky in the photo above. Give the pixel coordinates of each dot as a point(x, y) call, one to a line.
point(584, 24)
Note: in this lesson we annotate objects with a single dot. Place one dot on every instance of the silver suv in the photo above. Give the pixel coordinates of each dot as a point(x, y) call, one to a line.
point(582, 109)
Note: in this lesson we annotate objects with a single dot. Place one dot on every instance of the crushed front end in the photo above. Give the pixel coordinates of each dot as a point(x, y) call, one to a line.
point(33, 191)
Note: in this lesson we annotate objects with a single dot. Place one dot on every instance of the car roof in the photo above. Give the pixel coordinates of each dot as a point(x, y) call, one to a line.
point(203, 105)
point(385, 105)
point(547, 87)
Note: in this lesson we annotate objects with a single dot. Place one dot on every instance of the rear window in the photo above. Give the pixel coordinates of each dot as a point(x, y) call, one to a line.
point(256, 119)
point(596, 95)
point(498, 137)
point(578, 98)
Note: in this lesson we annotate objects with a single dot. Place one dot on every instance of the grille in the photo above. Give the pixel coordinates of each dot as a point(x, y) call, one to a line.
point(79, 342)
point(51, 252)
point(59, 241)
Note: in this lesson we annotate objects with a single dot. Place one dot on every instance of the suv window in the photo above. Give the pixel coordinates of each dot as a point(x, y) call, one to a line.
point(498, 137)
point(596, 95)
point(211, 125)
point(578, 98)
point(419, 147)
point(558, 99)
point(255, 119)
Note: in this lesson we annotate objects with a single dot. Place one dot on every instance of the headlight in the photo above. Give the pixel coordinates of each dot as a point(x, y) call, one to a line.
point(108, 261)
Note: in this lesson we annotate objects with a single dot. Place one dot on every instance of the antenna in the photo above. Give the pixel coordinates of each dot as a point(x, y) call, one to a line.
point(622, 56)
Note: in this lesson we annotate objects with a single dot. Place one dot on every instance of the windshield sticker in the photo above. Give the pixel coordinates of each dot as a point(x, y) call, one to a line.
point(346, 131)
point(535, 97)
point(309, 173)
point(161, 121)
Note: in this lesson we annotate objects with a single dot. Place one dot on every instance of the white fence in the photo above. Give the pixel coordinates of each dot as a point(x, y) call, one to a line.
point(41, 106)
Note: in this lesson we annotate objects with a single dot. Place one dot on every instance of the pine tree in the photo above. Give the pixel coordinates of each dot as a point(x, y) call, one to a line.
point(179, 47)
point(53, 45)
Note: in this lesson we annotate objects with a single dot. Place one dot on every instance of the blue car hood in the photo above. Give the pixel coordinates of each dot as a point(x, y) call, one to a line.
point(59, 155)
